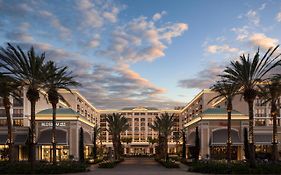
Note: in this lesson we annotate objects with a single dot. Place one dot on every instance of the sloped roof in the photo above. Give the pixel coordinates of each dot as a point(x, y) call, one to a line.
point(219, 111)
point(59, 111)
point(131, 108)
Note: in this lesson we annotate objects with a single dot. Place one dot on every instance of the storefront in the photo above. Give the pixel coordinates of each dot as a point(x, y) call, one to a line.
point(212, 127)
point(68, 127)
point(20, 143)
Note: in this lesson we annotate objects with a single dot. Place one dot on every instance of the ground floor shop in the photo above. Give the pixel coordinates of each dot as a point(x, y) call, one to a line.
point(20, 139)
point(212, 133)
point(68, 135)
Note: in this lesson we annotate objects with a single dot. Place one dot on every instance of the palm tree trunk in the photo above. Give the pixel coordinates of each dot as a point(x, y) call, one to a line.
point(229, 109)
point(95, 145)
point(32, 139)
point(275, 154)
point(183, 146)
point(251, 134)
point(54, 141)
point(7, 106)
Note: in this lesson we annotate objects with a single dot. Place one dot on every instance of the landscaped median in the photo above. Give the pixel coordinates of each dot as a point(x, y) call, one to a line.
point(168, 163)
point(220, 167)
point(42, 168)
point(110, 163)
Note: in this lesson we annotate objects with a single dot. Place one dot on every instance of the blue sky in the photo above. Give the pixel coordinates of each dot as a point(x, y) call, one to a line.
point(158, 53)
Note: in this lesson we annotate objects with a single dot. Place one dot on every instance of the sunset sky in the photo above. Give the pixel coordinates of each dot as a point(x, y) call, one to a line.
point(157, 53)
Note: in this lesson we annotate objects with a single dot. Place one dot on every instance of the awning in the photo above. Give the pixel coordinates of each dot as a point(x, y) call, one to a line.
point(45, 137)
point(87, 139)
point(219, 138)
point(191, 139)
point(3, 139)
point(263, 138)
point(20, 139)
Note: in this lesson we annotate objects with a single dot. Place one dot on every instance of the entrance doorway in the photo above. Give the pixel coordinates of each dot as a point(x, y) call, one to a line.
point(62, 153)
point(219, 152)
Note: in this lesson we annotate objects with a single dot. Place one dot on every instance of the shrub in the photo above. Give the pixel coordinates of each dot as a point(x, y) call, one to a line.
point(217, 167)
point(42, 168)
point(110, 164)
point(168, 164)
point(107, 164)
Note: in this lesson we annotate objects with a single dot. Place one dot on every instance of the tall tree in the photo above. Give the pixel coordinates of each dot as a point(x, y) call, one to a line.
point(183, 133)
point(246, 144)
point(127, 140)
point(57, 78)
point(270, 92)
point(9, 87)
point(96, 133)
point(197, 144)
point(117, 123)
point(164, 125)
point(81, 145)
point(226, 90)
point(247, 73)
point(152, 141)
point(27, 68)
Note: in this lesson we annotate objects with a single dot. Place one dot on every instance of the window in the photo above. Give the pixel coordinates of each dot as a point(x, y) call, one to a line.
point(18, 122)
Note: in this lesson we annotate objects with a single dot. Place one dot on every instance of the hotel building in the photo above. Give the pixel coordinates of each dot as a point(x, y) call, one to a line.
point(211, 120)
point(139, 119)
point(77, 112)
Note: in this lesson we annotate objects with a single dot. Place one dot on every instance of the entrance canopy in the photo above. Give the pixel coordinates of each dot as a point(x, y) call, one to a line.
point(19, 138)
point(45, 137)
point(87, 139)
point(3, 139)
point(263, 138)
point(191, 139)
point(219, 138)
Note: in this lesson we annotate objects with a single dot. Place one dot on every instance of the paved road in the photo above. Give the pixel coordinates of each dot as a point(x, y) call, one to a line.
point(138, 166)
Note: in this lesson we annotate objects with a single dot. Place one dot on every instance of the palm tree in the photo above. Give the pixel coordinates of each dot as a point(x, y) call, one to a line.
point(247, 73)
point(176, 138)
point(152, 141)
point(157, 126)
point(117, 123)
point(56, 78)
point(96, 133)
point(164, 125)
point(28, 69)
point(271, 91)
point(228, 91)
point(183, 134)
point(9, 87)
point(127, 140)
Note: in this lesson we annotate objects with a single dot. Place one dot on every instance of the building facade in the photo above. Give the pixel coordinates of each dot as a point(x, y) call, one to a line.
point(139, 120)
point(76, 112)
point(195, 114)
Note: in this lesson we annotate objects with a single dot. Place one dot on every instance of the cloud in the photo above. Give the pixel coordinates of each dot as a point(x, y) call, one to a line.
point(278, 17)
point(158, 16)
point(204, 78)
point(117, 86)
point(65, 33)
point(213, 49)
point(141, 40)
point(262, 7)
point(261, 40)
point(241, 32)
point(19, 36)
point(253, 17)
point(16, 9)
point(96, 13)
point(94, 42)
point(24, 26)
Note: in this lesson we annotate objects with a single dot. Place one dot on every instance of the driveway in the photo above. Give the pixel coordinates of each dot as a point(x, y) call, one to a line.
point(138, 166)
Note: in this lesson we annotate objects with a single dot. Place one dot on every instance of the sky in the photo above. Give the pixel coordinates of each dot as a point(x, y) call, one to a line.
point(158, 53)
